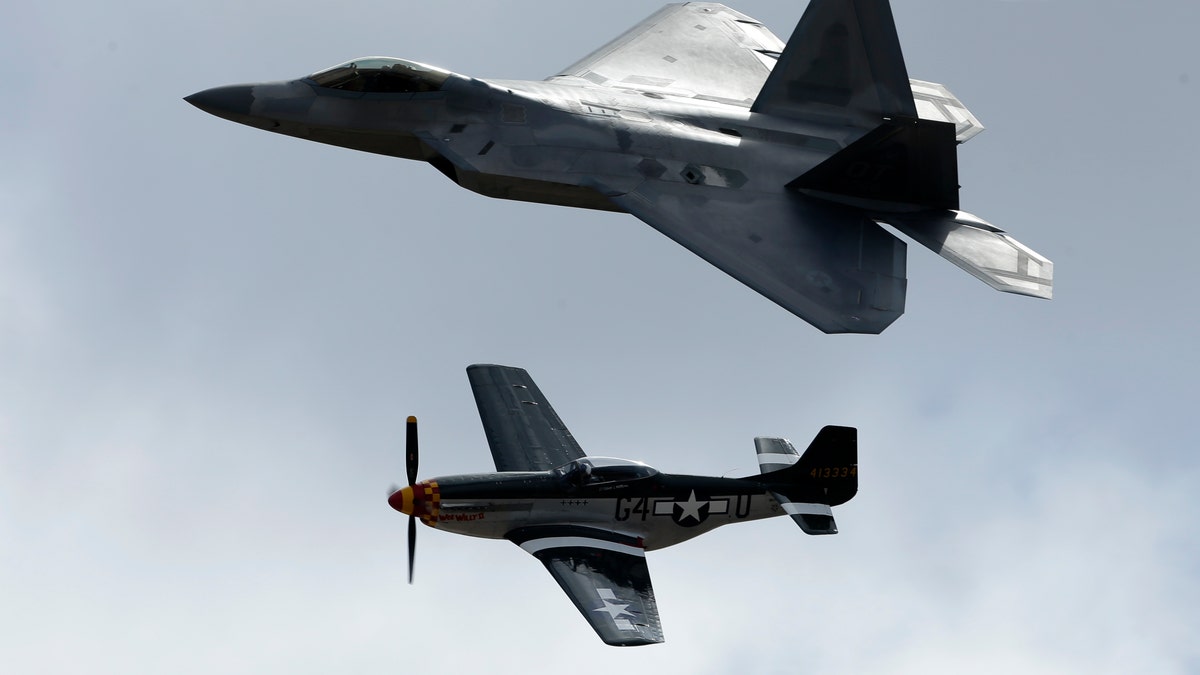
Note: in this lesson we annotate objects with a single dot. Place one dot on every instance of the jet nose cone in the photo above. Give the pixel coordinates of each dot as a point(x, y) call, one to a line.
point(232, 102)
point(402, 500)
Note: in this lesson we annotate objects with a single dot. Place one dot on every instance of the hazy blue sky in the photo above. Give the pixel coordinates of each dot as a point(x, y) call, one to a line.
point(210, 337)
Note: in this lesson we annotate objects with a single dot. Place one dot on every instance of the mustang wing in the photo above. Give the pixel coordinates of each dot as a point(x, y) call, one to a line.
point(699, 49)
point(523, 430)
point(825, 263)
point(606, 576)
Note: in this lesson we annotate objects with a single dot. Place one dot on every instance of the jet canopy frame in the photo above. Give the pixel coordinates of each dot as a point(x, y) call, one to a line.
point(381, 74)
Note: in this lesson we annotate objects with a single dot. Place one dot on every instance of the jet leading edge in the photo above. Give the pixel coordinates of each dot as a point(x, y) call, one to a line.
point(776, 163)
point(590, 520)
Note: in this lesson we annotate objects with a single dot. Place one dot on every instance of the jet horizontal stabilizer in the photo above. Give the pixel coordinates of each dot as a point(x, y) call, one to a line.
point(981, 249)
point(935, 102)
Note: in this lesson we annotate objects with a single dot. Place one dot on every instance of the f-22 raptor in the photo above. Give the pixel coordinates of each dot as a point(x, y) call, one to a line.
point(776, 163)
point(590, 520)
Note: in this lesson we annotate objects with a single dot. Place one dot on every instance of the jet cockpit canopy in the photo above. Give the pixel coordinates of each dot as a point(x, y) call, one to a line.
point(381, 74)
point(597, 470)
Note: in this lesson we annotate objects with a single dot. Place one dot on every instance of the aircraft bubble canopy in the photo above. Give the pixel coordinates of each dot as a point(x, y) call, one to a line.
point(595, 470)
point(381, 74)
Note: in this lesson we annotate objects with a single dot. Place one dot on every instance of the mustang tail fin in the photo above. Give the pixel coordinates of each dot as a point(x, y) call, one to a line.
point(807, 485)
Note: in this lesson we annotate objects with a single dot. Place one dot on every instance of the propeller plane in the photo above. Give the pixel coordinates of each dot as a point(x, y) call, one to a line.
point(591, 520)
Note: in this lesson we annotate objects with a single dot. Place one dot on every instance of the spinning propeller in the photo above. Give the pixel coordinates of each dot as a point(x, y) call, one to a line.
point(404, 499)
point(410, 465)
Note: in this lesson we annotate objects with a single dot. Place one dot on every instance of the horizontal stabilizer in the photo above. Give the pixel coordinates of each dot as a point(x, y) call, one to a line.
point(935, 102)
point(812, 518)
point(775, 454)
point(981, 249)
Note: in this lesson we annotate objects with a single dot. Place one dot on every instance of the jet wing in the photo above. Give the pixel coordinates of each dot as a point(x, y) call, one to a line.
point(523, 430)
point(699, 49)
point(606, 576)
point(825, 263)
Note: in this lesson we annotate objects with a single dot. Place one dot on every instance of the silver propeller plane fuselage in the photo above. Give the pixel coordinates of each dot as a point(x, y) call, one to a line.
point(776, 163)
point(590, 520)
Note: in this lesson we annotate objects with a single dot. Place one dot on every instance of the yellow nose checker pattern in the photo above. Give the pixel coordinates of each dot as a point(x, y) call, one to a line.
point(423, 500)
point(431, 499)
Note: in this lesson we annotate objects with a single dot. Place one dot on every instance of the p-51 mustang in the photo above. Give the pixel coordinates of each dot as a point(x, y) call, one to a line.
point(590, 520)
point(774, 163)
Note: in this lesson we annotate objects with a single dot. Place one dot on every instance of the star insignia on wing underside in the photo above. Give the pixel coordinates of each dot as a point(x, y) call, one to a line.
point(614, 609)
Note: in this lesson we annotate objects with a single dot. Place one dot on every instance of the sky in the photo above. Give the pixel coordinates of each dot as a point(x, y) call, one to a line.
point(210, 337)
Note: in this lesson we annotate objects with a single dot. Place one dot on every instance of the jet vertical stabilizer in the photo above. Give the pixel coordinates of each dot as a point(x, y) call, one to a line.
point(843, 61)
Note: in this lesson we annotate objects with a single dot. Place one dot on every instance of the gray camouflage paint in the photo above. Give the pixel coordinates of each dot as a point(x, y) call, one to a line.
point(694, 121)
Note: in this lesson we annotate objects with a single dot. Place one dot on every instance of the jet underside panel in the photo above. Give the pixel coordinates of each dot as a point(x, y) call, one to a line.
point(827, 264)
point(699, 49)
point(524, 432)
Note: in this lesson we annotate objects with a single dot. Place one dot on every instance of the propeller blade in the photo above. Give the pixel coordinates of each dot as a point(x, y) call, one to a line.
point(410, 450)
point(412, 545)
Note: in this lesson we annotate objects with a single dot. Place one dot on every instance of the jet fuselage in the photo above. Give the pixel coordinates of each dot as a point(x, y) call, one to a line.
point(778, 164)
point(545, 141)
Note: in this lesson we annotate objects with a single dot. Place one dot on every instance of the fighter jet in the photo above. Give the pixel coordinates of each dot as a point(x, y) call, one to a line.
point(776, 163)
point(590, 520)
